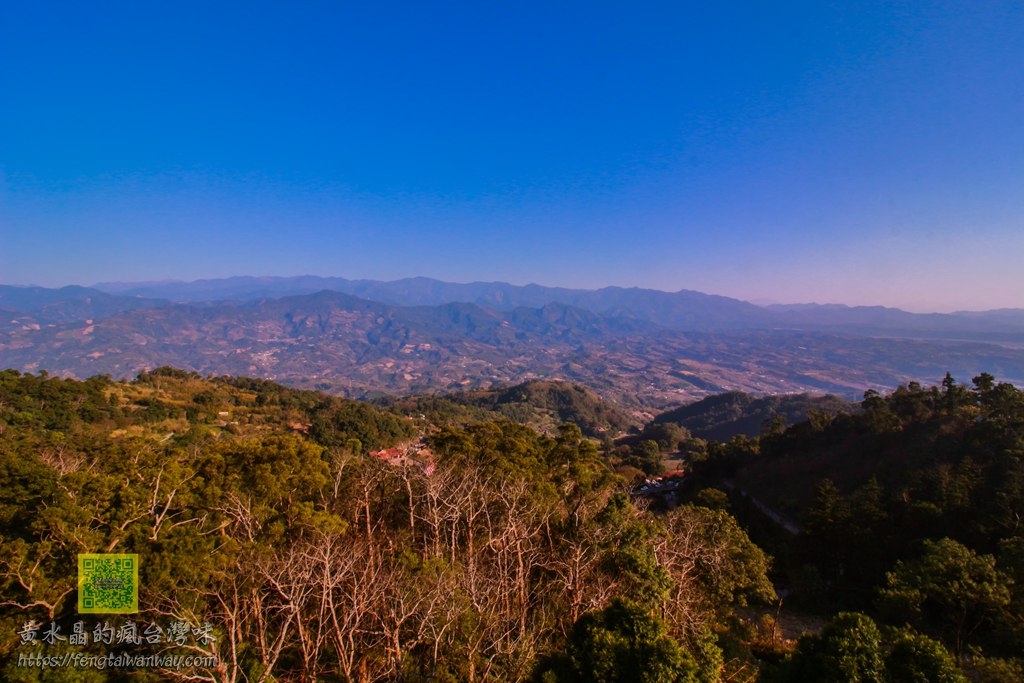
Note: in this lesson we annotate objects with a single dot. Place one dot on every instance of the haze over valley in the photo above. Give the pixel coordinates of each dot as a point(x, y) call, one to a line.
point(643, 348)
point(512, 342)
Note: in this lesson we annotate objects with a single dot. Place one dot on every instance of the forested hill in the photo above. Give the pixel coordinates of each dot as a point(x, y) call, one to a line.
point(723, 416)
point(911, 511)
point(180, 407)
point(936, 445)
point(317, 538)
point(276, 542)
point(541, 405)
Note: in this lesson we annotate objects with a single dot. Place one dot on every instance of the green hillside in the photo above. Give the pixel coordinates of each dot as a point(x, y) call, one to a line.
point(910, 510)
point(541, 405)
point(286, 535)
point(274, 541)
point(723, 416)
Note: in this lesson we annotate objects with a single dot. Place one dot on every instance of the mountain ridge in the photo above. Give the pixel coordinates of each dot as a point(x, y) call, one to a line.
point(339, 342)
point(687, 310)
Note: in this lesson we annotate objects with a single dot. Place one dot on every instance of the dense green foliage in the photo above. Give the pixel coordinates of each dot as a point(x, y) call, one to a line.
point(852, 649)
point(620, 644)
point(325, 539)
point(542, 405)
point(910, 509)
point(723, 416)
point(460, 553)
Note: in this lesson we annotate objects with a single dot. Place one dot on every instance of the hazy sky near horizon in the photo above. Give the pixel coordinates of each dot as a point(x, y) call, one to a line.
point(844, 152)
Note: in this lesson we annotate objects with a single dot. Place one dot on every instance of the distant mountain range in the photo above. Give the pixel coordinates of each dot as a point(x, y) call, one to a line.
point(646, 348)
point(683, 310)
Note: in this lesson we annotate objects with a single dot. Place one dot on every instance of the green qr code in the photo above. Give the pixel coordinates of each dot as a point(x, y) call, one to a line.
point(108, 584)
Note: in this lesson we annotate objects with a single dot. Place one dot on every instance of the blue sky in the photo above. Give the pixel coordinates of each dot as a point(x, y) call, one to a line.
point(848, 152)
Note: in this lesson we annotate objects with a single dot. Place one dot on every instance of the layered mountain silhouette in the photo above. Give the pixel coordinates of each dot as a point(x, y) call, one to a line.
point(646, 348)
point(683, 310)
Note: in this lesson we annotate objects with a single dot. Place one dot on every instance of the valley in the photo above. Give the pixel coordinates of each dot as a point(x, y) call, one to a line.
point(648, 350)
